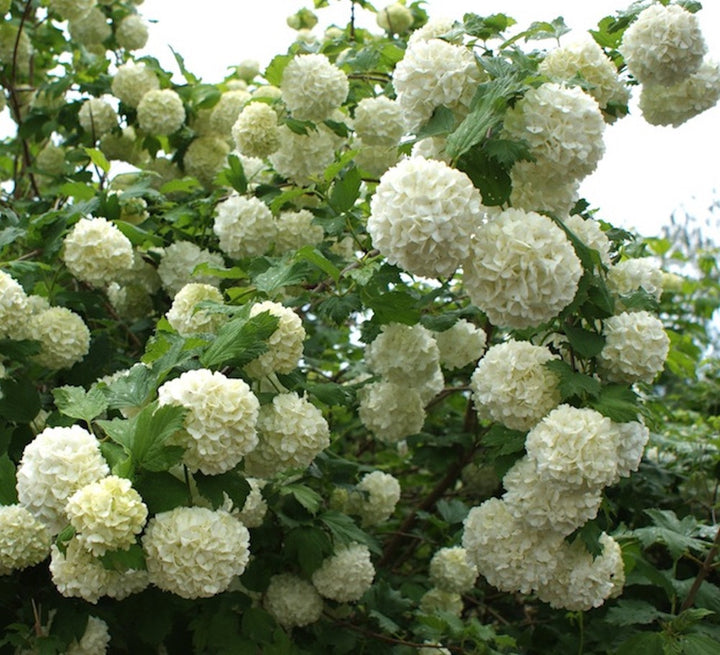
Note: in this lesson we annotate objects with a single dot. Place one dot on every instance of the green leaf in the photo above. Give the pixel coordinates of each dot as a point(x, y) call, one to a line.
point(644, 643)
point(138, 236)
point(453, 510)
point(132, 557)
point(487, 27)
point(235, 175)
point(307, 497)
point(98, 158)
point(78, 190)
point(571, 383)
point(8, 481)
point(394, 307)
point(584, 342)
point(18, 350)
point(345, 532)
point(504, 441)
point(488, 175)
point(331, 393)
point(696, 644)
point(274, 71)
point(678, 535)
point(63, 538)
point(75, 402)
point(189, 77)
point(633, 612)
point(19, 399)
point(618, 403)
point(153, 427)
point(309, 546)
point(285, 273)
point(346, 190)
point(442, 121)
point(240, 340)
point(214, 488)
point(314, 256)
point(161, 492)
point(543, 30)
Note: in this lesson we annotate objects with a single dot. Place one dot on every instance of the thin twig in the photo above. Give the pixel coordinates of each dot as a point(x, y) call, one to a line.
point(704, 571)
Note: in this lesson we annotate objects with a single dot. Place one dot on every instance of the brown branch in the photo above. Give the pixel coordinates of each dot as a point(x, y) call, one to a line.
point(705, 569)
point(393, 640)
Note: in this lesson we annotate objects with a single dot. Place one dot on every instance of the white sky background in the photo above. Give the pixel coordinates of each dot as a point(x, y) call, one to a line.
point(647, 172)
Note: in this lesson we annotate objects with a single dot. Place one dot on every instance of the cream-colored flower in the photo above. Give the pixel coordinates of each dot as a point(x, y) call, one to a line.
point(379, 121)
point(439, 600)
point(395, 18)
point(94, 641)
point(346, 575)
point(631, 441)
point(590, 233)
point(132, 32)
point(380, 493)
point(183, 316)
point(160, 112)
point(97, 117)
point(70, 9)
point(132, 81)
point(205, 157)
point(312, 88)
point(285, 345)
point(630, 275)
point(24, 540)
point(227, 110)
point(375, 160)
point(14, 309)
point(292, 601)
point(391, 411)
point(532, 191)
point(451, 570)
point(256, 132)
point(461, 344)
point(295, 230)
point(91, 29)
point(244, 226)
point(178, 264)
point(64, 338)
point(303, 157)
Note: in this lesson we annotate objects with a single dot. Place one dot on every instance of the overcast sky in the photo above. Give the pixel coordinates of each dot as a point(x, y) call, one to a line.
point(646, 174)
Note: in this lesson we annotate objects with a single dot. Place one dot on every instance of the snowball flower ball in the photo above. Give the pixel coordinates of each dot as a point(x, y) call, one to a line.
point(64, 338)
point(160, 112)
point(256, 132)
point(194, 552)
point(461, 344)
point(390, 410)
point(438, 600)
point(381, 493)
point(51, 159)
point(106, 514)
point(379, 121)
point(24, 540)
point(303, 157)
point(312, 88)
point(71, 9)
point(14, 310)
point(590, 233)
point(183, 316)
point(205, 158)
point(574, 446)
point(285, 345)
point(523, 270)
point(91, 29)
point(404, 354)
point(255, 507)
point(512, 385)
point(292, 601)
point(220, 426)
point(292, 432)
point(451, 570)
point(533, 191)
point(178, 264)
point(632, 438)
point(96, 251)
point(422, 215)
point(678, 103)
point(346, 575)
point(636, 346)
point(563, 126)
point(227, 110)
point(132, 81)
point(375, 160)
point(94, 641)
point(295, 230)
point(132, 32)
point(245, 226)
point(630, 275)
point(434, 73)
point(54, 465)
point(664, 45)
point(97, 117)
point(395, 18)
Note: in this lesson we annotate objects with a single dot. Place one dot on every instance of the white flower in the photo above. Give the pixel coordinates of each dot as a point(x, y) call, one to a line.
point(375, 160)
point(220, 426)
point(91, 29)
point(51, 159)
point(132, 32)
point(194, 552)
point(380, 494)
point(451, 570)
point(256, 132)
point(391, 411)
point(434, 73)
point(512, 385)
point(584, 57)
point(97, 117)
point(24, 540)
point(523, 270)
point(404, 354)
point(295, 230)
point(132, 81)
point(432, 147)
point(285, 345)
point(590, 233)
point(664, 45)
point(395, 18)
point(54, 465)
point(433, 29)
point(292, 432)
point(247, 69)
point(632, 438)
point(439, 600)
point(245, 226)
point(64, 338)
point(564, 128)
point(96, 252)
point(227, 110)
point(546, 505)
point(160, 112)
point(678, 103)
point(581, 582)
point(71, 9)
point(461, 344)
point(574, 446)
point(532, 191)
point(122, 146)
point(292, 601)
point(178, 262)
point(183, 317)
point(379, 121)
point(14, 310)
point(94, 641)
point(511, 555)
point(422, 215)
point(205, 158)
point(255, 507)
point(303, 157)
point(635, 349)
point(106, 514)
point(346, 575)
point(630, 275)
point(312, 88)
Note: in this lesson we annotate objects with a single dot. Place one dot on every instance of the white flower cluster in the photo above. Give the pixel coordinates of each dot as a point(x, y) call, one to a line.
point(54, 465)
point(436, 27)
point(71, 9)
point(91, 29)
point(220, 426)
point(24, 540)
point(461, 344)
point(346, 575)
point(434, 73)
point(226, 112)
point(96, 252)
point(664, 45)
point(107, 514)
point(94, 641)
point(451, 570)
point(179, 261)
point(292, 432)
point(379, 121)
point(512, 385)
point(312, 88)
point(380, 493)
point(303, 157)
point(422, 215)
point(255, 507)
point(295, 230)
point(532, 191)
point(523, 270)
point(97, 117)
point(183, 317)
point(438, 600)
point(205, 158)
point(132, 32)
point(630, 275)
point(63, 336)
point(395, 18)
point(632, 438)
point(391, 411)
point(375, 160)
point(132, 81)
point(678, 103)
point(256, 132)
point(245, 226)
point(584, 57)
point(590, 233)
point(285, 345)
point(183, 559)
point(160, 112)
point(635, 349)
point(564, 128)
point(14, 309)
point(292, 601)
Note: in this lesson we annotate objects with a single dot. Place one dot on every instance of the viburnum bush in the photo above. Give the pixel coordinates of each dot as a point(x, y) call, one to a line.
point(332, 356)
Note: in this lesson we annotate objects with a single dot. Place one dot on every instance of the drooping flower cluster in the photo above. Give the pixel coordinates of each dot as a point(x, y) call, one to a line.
point(379, 121)
point(295, 230)
point(391, 411)
point(245, 226)
point(451, 570)
point(97, 117)
point(186, 319)
point(24, 540)
point(292, 601)
point(256, 132)
point(346, 575)
point(132, 81)
point(94, 641)
point(461, 344)
point(380, 493)
point(132, 32)
point(312, 88)
point(13, 308)
point(160, 112)
point(178, 264)
point(63, 336)
point(630, 275)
